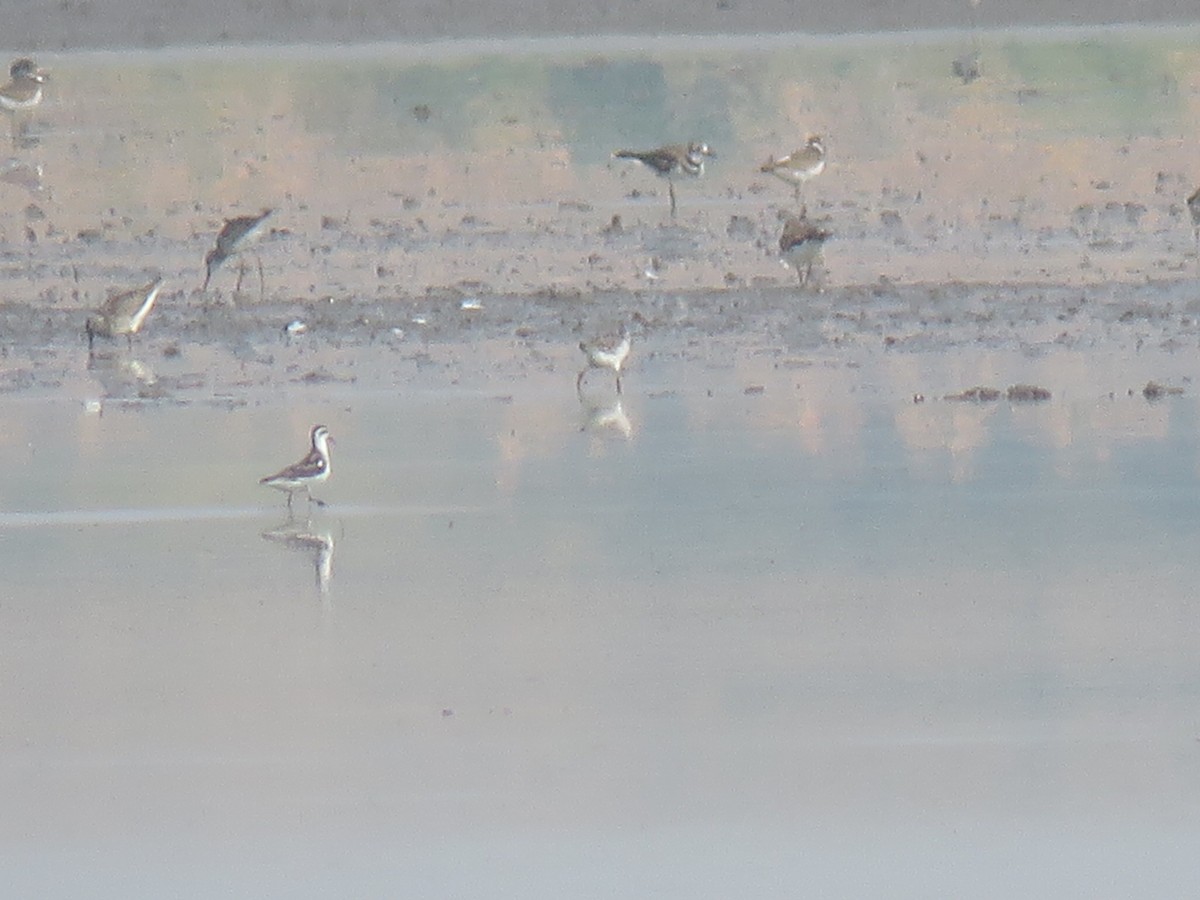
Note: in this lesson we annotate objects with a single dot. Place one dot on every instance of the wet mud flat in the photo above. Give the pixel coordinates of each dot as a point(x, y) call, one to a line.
point(224, 351)
point(427, 196)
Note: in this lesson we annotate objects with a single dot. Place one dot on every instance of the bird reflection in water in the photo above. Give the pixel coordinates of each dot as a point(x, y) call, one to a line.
point(22, 174)
point(610, 417)
point(300, 535)
point(122, 377)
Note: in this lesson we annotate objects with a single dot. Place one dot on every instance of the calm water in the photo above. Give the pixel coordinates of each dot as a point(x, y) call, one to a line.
point(817, 639)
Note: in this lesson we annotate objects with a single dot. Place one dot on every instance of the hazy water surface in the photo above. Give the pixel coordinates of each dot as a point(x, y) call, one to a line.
point(816, 637)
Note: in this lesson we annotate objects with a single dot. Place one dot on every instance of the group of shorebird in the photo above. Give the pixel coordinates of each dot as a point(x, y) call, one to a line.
point(802, 240)
point(124, 313)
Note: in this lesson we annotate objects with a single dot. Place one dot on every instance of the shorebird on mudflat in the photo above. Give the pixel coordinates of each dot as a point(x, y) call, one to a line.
point(313, 469)
point(22, 93)
point(800, 165)
point(671, 160)
point(608, 352)
point(123, 313)
point(801, 244)
point(234, 238)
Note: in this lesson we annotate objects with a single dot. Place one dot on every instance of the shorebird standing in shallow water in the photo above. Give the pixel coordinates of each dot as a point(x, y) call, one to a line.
point(800, 165)
point(1193, 203)
point(235, 237)
point(23, 92)
point(313, 469)
point(123, 313)
point(801, 244)
point(609, 352)
point(671, 160)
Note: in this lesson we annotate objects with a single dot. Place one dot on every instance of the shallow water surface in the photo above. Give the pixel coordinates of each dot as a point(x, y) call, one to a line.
point(769, 626)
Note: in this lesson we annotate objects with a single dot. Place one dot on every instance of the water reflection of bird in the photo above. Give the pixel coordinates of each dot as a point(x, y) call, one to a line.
point(801, 244)
point(22, 174)
point(607, 352)
point(22, 93)
point(671, 160)
point(800, 165)
point(123, 313)
point(234, 238)
point(301, 536)
point(125, 378)
point(607, 417)
point(313, 469)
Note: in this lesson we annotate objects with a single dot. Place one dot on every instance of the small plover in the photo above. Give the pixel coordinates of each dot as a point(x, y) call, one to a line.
point(801, 244)
point(123, 313)
point(22, 93)
point(313, 469)
point(235, 237)
point(671, 160)
point(609, 352)
point(800, 165)
point(24, 90)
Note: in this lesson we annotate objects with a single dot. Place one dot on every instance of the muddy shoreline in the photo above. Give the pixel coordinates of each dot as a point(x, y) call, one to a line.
point(39, 27)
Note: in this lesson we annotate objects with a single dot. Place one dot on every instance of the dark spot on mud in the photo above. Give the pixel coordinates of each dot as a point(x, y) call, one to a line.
point(1027, 393)
point(975, 395)
point(1155, 391)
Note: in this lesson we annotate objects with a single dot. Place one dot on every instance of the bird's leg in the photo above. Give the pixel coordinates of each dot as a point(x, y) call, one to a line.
point(671, 192)
point(579, 380)
point(262, 284)
point(241, 274)
point(290, 494)
point(618, 382)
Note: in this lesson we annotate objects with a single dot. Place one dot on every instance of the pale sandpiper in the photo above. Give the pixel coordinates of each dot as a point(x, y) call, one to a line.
point(608, 352)
point(123, 313)
point(799, 166)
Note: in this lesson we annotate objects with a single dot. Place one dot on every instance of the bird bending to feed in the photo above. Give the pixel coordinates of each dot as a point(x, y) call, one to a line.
point(801, 244)
point(236, 236)
point(313, 469)
point(800, 165)
point(22, 93)
point(672, 160)
point(123, 313)
point(608, 352)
